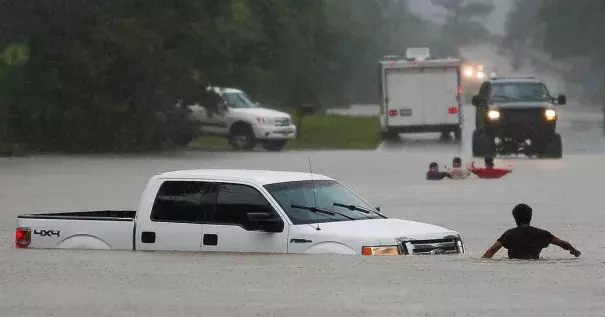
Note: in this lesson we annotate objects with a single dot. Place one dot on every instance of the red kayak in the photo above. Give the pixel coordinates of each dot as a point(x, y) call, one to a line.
point(490, 172)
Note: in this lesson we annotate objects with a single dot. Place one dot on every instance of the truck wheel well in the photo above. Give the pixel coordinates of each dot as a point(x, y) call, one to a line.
point(83, 241)
point(239, 126)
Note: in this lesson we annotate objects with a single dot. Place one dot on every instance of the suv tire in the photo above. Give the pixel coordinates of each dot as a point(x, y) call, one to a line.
point(273, 145)
point(554, 147)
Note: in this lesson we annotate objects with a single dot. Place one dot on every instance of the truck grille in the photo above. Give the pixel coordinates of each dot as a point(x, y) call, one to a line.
point(430, 247)
point(282, 122)
point(523, 116)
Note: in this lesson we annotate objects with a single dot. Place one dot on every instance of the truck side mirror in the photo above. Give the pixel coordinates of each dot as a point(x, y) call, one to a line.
point(561, 100)
point(267, 222)
point(475, 100)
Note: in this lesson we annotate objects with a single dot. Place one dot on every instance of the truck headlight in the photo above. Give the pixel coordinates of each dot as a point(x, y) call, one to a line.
point(264, 120)
point(382, 250)
point(480, 75)
point(468, 72)
point(493, 114)
point(550, 114)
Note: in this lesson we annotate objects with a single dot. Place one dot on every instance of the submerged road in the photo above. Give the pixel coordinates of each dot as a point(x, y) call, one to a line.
point(566, 195)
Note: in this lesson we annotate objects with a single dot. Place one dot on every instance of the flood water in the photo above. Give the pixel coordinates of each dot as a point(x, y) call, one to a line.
point(566, 195)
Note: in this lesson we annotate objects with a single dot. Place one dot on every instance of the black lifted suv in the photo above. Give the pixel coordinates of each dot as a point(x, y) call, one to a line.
point(516, 116)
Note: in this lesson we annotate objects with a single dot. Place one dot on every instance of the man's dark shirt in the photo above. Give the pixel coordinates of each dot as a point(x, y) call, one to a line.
point(435, 175)
point(525, 242)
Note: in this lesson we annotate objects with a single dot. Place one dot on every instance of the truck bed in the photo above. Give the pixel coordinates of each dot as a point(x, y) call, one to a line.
point(102, 229)
point(105, 215)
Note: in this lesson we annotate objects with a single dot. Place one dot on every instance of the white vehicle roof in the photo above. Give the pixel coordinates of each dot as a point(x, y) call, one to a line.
point(263, 177)
point(399, 63)
point(515, 80)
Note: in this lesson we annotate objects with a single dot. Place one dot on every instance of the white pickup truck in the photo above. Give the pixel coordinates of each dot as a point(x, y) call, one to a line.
point(240, 211)
point(243, 122)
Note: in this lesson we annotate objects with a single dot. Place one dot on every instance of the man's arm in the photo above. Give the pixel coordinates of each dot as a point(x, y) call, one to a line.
point(565, 245)
point(492, 250)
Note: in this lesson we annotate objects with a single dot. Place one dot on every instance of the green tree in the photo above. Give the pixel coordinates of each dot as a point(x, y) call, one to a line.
point(464, 23)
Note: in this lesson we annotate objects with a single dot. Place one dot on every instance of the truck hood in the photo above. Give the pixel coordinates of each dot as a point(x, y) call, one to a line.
point(388, 230)
point(261, 112)
point(521, 104)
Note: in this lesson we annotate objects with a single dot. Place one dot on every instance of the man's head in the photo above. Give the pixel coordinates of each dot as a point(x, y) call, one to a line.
point(489, 162)
point(522, 214)
point(433, 167)
point(456, 162)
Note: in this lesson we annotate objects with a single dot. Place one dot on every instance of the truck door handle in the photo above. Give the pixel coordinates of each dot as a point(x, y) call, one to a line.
point(210, 239)
point(148, 237)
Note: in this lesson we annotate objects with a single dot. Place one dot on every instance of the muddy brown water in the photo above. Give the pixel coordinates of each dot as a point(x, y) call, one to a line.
point(566, 195)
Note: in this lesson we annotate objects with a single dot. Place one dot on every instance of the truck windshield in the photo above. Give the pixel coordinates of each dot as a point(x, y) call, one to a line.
point(520, 92)
point(239, 100)
point(327, 193)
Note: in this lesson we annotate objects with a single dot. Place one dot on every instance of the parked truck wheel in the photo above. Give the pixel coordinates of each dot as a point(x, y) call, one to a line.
point(274, 145)
point(241, 137)
point(458, 134)
point(388, 135)
point(554, 147)
point(483, 145)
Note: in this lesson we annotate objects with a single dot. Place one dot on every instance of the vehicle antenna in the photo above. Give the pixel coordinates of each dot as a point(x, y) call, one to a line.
point(314, 197)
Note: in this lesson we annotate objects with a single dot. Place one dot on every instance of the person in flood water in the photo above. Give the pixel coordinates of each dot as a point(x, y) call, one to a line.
point(526, 242)
point(434, 174)
point(457, 171)
point(489, 171)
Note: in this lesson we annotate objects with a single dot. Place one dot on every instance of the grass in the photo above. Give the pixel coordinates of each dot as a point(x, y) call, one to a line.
point(320, 132)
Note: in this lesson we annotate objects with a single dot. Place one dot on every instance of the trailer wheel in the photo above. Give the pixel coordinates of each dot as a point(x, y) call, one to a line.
point(458, 134)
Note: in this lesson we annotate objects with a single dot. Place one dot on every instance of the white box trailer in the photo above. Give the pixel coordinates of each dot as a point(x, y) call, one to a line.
point(420, 96)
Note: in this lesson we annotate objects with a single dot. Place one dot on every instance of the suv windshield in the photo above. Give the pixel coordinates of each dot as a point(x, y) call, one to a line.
point(239, 100)
point(327, 193)
point(519, 92)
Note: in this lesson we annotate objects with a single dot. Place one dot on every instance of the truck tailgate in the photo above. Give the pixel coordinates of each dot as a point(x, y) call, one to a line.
point(79, 230)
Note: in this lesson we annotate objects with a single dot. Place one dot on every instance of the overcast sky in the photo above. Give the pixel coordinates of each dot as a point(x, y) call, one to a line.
point(495, 22)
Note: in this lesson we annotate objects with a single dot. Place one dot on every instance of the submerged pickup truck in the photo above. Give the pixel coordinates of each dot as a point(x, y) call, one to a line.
point(240, 211)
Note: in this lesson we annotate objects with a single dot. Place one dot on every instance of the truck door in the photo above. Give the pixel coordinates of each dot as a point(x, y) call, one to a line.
point(177, 215)
point(405, 106)
point(440, 93)
point(229, 229)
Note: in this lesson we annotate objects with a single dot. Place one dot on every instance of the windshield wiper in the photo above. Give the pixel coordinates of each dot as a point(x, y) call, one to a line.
point(353, 207)
point(321, 211)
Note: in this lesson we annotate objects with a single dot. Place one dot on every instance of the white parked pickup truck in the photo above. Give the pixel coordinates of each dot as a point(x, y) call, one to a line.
point(244, 123)
point(240, 211)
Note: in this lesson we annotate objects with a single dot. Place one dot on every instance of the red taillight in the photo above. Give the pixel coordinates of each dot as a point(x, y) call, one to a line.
point(23, 237)
point(452, 110)
point(392, 113)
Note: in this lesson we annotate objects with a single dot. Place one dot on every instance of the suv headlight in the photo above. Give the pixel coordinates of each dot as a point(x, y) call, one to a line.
point(264, 120)
point(550, 114)
point(493, 114)
point(381, 250)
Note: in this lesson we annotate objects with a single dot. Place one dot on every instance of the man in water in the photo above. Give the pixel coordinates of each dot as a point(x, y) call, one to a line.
point(457, 171)
point(526, 242)
point(434, 174)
